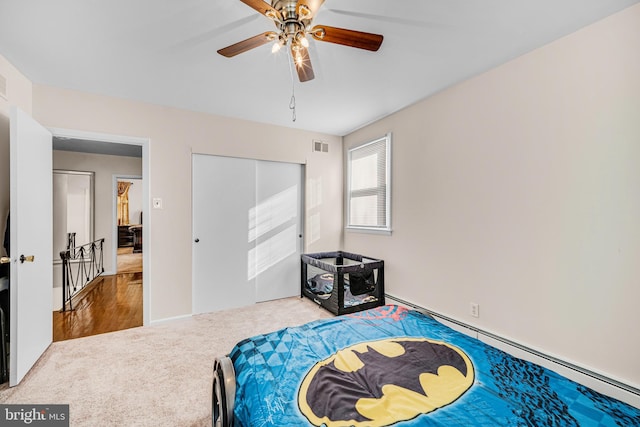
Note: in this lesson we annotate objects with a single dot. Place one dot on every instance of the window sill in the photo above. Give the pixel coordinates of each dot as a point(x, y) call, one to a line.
point(367, 230)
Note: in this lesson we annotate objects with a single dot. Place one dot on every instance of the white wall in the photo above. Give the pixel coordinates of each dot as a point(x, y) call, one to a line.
point(519, 190)
point(174, 135)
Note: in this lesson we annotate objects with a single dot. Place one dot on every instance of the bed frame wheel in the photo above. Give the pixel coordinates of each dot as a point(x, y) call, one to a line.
point(224, 392)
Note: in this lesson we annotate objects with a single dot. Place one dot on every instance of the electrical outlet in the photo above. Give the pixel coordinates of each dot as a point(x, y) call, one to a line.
point(474, 309)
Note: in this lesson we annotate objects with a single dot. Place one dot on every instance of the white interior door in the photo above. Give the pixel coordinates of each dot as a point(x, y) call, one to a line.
point(278, 230)
point(31, 283)
point(223, 196)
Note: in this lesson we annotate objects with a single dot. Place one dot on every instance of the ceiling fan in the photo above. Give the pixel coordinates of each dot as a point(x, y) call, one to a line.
point(293, 22)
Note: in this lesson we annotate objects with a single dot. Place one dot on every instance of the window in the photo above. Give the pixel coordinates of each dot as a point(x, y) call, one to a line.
point(369, 186)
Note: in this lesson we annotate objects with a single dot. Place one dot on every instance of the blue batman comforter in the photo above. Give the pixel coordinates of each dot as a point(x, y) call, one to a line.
point(393, 366)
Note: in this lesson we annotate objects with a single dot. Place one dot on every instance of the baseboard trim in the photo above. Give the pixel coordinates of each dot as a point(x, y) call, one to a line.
point(597, 381)
point(170, 319)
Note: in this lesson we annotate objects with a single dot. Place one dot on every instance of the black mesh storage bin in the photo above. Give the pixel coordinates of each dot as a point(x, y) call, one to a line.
point(342, 282)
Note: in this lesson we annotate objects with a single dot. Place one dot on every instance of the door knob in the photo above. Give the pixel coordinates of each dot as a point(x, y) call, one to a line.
point(197, 240)
point(5, 260)
point(28, 258)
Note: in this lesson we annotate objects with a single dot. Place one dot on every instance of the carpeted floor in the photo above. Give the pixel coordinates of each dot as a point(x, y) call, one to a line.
point(152, 375)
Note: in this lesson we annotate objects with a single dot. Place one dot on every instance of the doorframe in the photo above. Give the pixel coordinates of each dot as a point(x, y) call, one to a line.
point(146, 205)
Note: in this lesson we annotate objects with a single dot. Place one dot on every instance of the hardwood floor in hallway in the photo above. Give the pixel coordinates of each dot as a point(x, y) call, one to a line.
point(110, 304)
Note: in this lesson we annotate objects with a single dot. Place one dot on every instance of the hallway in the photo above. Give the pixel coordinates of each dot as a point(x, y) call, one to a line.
point(110, 304)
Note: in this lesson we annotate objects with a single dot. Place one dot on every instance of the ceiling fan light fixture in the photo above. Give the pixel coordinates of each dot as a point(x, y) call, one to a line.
point(302, 39)
point(296, 52)
point(282, 40)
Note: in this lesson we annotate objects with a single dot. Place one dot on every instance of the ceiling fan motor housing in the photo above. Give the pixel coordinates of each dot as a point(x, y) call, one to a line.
point(287, 8)
point(292, 23)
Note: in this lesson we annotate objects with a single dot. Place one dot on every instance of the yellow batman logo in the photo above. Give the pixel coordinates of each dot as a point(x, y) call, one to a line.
point(379, 383)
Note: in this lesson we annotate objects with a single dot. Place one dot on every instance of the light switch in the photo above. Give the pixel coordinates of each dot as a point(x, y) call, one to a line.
point(157, 203)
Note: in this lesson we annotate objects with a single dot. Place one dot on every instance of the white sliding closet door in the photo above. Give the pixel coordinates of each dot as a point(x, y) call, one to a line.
point(278, 230)
point(247, 226)
point(223, 196)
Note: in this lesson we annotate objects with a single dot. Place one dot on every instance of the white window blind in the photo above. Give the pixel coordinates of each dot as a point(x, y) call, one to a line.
point(368, 204)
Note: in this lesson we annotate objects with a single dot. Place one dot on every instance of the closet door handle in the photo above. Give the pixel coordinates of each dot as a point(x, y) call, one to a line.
point(196, 240)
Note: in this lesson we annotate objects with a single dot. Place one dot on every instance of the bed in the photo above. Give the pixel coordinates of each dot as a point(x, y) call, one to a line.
point(394, 366)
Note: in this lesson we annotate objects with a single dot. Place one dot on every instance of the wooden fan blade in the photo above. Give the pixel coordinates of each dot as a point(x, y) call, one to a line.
point(311, 5)
point(263, 8)
point(248, 44)
point(302, 60)
point(344, 37)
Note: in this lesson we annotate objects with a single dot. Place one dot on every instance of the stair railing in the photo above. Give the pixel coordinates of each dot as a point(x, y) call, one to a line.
point(81, 265)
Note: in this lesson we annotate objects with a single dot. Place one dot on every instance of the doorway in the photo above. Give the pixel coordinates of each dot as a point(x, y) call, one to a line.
point(127, 199)
point(133, 286)
point(128, 219)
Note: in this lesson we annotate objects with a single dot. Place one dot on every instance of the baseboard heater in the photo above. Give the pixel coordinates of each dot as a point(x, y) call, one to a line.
point(603, 384)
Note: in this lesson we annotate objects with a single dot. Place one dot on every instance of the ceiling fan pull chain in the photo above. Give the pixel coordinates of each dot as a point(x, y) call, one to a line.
point(292, 103)
point(292, 107)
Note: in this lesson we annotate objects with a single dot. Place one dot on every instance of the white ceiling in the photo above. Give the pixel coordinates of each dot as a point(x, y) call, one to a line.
point(96, 147)
point(164, 52)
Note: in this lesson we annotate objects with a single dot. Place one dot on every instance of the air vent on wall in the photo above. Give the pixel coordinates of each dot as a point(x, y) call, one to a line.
point(320, 146)
point(3, 86)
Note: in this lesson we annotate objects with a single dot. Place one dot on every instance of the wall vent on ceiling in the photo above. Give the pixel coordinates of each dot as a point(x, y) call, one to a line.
point(3, 86)
point(320, 146)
